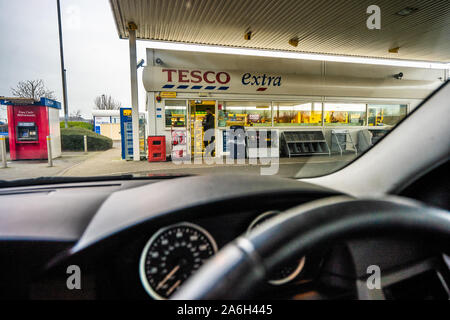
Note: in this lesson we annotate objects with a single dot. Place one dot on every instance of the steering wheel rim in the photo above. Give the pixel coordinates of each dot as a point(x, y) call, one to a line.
point(244, 263)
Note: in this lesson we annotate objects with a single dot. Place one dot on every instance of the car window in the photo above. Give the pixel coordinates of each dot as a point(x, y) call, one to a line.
point(111, 89)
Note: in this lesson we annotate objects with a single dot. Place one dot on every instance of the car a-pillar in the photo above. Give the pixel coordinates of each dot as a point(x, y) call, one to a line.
point(132, 28)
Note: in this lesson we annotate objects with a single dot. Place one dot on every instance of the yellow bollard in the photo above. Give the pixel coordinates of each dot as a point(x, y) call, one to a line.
point(3, 148)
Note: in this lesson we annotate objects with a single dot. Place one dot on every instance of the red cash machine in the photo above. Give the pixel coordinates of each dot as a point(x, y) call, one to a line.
point(29, 125)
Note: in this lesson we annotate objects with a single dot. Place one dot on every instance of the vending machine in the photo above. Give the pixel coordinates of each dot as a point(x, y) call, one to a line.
point(126, 132)
point(29, 125)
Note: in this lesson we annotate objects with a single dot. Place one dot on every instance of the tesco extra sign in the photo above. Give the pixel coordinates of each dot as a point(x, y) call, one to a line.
point(231, 81)
point(197, 76)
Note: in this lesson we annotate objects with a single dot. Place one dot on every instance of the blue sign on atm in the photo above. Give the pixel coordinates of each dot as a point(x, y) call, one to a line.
point(126, 132)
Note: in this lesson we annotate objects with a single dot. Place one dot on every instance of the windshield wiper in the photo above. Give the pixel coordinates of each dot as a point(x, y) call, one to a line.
point(58, 180)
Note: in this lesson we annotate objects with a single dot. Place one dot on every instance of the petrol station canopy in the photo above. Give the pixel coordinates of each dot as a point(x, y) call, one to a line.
point(414, 34)
point(420, 29)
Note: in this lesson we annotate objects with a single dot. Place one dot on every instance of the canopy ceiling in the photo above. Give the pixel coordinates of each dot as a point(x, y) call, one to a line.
point(321, 26)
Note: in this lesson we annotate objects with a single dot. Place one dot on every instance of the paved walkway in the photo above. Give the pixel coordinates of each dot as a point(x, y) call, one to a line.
point(39, 168)
point(109, 162)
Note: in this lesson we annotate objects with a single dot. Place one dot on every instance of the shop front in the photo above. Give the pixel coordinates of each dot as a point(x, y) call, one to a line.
point(306, 113)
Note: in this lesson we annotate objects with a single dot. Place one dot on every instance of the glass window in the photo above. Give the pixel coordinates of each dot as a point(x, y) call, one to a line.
point(3, 115)
point(382, 114)
point(297, 114)
point(175, 111)
point(245, 113)
point(345, 114)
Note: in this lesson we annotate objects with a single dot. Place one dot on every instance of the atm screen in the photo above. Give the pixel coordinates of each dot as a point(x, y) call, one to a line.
point(27, 131)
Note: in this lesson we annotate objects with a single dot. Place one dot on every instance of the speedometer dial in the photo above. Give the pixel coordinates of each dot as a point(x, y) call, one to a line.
point(172, 255)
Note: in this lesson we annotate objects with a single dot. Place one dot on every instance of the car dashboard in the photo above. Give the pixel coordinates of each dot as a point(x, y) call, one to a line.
point(142, 239)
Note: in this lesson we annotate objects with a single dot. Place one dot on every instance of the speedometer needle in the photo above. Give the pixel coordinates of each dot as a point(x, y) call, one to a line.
point(173, 287)
point(169, 275)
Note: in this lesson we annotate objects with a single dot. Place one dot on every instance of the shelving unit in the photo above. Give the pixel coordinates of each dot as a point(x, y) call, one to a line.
point(341, 141)
point(304, 143)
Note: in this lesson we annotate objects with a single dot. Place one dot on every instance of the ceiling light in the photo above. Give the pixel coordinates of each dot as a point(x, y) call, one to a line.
point(398, 76)
point(394, 50)
point(294, 55)
point(407, 11)
point(132, 26)
point(294, 42)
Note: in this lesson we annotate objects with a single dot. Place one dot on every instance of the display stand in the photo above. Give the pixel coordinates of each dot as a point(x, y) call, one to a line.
point(341, 141)
point(257, 148)
point(304, 143)
point(179, 143)
point(368, 137)
point(364, 140)
point(237, 141)
point(197, 142)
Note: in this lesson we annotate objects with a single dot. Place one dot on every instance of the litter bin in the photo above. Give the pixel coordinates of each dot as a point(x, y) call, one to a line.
point(237, 143)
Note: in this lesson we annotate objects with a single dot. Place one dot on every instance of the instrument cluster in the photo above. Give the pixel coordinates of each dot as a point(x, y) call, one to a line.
point(176, 252)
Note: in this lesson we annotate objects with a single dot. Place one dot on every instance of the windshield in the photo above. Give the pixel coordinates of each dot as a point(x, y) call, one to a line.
point(99, 88)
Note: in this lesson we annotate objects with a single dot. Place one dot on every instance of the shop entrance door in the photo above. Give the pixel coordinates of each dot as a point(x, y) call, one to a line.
point(198, 110)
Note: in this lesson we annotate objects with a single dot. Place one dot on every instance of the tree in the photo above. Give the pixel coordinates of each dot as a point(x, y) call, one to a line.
point(76, 115)
point(106, 102)
point(32, 89)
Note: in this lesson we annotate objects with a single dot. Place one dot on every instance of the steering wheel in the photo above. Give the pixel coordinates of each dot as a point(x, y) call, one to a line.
point(244, 263)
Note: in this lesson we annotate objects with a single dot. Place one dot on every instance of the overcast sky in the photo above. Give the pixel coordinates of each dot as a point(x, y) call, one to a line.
point(97, 61)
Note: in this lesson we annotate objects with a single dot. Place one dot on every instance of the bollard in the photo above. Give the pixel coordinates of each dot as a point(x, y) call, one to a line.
point(49, 150)
point(85, 145)
point(3, 148)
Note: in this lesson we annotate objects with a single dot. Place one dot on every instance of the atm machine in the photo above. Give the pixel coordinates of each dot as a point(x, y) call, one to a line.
point(29, 124)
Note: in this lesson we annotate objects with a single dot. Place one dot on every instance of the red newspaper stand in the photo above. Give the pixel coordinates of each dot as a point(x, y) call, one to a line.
point(156, 148)
point(29, 125)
